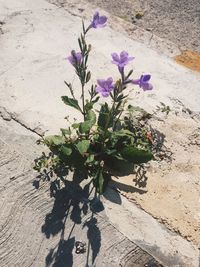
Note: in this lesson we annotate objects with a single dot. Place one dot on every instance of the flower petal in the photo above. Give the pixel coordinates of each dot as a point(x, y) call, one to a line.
point(98, 21)
point(105, 94)
point(101, 82)
point(102, 19)
point(137, 82)
point(146, 77)
point(96, 15)
point(99, 89)
point(70, 59)
point(109, 81)
point(147, 86)
point(123, 54)
point(115, 58)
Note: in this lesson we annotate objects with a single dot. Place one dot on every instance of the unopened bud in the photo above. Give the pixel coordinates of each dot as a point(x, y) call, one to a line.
point(88, 76)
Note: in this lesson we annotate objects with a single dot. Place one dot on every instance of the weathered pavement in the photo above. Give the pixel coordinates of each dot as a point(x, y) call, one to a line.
point(37, 230)
point(36, 38)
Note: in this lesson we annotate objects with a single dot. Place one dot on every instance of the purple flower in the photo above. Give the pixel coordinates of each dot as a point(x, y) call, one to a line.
point(143, 82)
point(75, 58)
point(121, 60)
point(98, 21)
point(105, 87)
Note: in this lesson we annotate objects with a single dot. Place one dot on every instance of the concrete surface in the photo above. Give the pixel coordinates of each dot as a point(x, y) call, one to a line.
point(36, 37)
point(39, 230)
point(143, 230)
point(34, 45)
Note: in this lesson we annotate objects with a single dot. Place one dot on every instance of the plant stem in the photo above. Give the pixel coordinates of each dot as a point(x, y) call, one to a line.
point(118, 118)
point(107, 124)
point(83, 101)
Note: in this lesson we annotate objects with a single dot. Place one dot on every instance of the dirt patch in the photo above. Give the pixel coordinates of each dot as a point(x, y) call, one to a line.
point(169, 19)
point(189, 59)
point(170, 191)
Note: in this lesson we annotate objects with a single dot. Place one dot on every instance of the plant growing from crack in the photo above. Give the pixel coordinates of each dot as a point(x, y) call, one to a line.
point(105, 141)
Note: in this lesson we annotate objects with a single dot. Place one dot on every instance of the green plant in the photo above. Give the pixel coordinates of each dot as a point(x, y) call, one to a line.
point(105, 141)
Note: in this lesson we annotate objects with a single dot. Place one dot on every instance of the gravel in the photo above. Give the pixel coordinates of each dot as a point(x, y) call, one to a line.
point(174, 20)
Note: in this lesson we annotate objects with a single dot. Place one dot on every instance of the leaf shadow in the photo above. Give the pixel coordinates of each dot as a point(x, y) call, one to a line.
point(72, 204)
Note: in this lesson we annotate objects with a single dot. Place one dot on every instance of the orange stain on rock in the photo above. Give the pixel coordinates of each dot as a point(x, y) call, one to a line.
point(189, 59)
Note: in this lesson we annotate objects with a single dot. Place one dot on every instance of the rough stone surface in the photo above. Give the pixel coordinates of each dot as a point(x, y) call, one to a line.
point(177, 21)
point(36, 37)
point(141, 228)
point(39, 230)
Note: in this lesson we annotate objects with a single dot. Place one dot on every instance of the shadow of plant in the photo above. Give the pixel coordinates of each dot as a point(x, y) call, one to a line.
point(71, 205)
point(140, 176)
point(125, 188)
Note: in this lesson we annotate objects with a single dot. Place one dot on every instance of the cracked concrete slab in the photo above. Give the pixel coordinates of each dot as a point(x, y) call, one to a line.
point(122, 222)
point(39, 230)
point(33, 65)
point(149, 234)
point(37, 37)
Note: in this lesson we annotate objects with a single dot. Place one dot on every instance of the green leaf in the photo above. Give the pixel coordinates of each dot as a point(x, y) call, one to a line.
point(65, 150)
point(91, 116)
point(83, 26)
point(71, 102)
point(90, 158)
point(85, 127)
point(117, 164)
point(55, 140)
point(123, 132)
point(80, 45)
point(104, 116)
point(135, 155)
point(65, 131)
point(120, 97)
point(136, 109)
point(129, 74)
point(83, 146)
point(88, 76)
point(90, 121)
point(88, 106)
point(101, 180)
point(75, 125)
point(96, 99)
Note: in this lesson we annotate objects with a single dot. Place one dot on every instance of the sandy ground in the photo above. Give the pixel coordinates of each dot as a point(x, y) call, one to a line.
point(170, 189)
point(174, 22)
point(177, 21)
point(34, 42)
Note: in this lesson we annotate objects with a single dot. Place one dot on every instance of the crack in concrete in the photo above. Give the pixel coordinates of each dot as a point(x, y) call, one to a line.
point(8, 116)
point(1, 26)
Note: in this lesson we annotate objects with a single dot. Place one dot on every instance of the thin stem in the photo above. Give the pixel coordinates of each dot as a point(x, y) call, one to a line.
point(107, 124)
point(122, 74)
point(88, 28)
point(83, 102)
point(115, 123)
